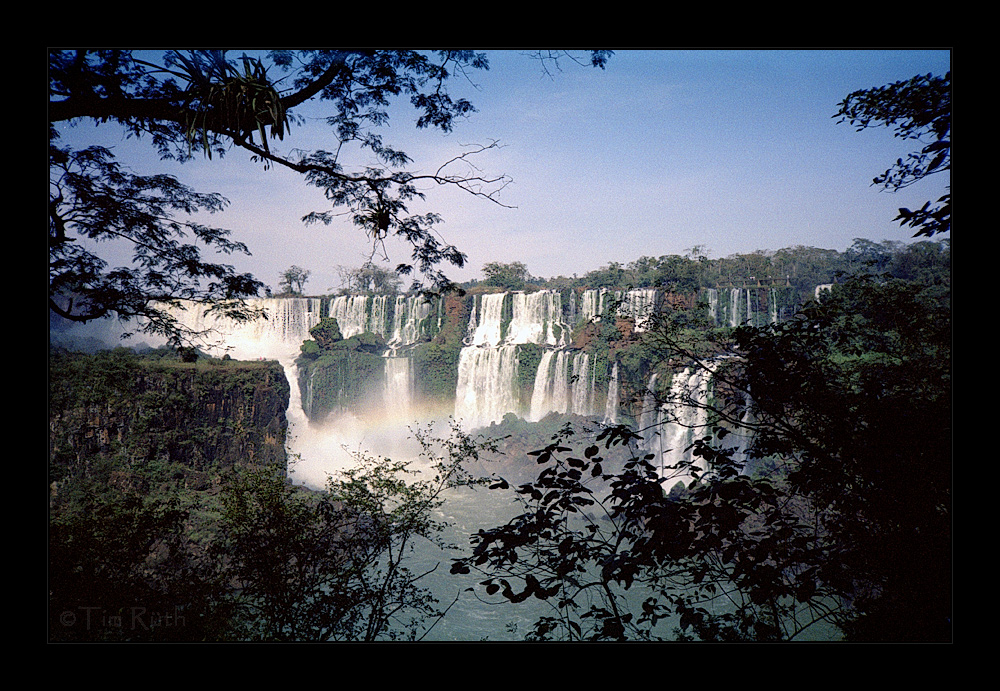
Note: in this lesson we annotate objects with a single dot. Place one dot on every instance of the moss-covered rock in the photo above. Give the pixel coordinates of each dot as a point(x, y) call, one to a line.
point(326, 333)
point(144, 412)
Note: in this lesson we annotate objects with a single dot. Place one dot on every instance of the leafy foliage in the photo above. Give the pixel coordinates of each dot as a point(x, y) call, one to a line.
point(333, 566)
point(619, 560)
point(91, 198)
point(512, 276)
point(918, 109)
point(122, 567)
point(846, 522)
point(188, 102)
point(293, 280)
point(369, 277)
point(326, 333)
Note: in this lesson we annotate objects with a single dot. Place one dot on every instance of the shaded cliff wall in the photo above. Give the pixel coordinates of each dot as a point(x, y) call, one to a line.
point(203, 416)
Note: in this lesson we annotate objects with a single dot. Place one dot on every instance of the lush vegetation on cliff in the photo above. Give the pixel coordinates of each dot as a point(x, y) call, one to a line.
point(844, 525)
point(159, 410)
point(149, 542)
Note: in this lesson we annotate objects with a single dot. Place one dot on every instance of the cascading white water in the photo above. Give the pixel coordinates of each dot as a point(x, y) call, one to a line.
point(398, 389)
point(682, 419)
point(351, 313)
point(638, 304)
point(739, 306)
point(484, 329)
point(409, 314)
point(612, 401)
point(536, 318)
point(278, 336)
point(590, 304)
point(564, 383)
point(399, 319)
point(649, 418)
point(320, 448)
point(712, 296)
point(734, 307)
point(486, 390)
point(488, 373)
point(670, 426)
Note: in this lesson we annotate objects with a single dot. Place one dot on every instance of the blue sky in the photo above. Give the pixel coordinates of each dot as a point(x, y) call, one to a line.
point(663, 150)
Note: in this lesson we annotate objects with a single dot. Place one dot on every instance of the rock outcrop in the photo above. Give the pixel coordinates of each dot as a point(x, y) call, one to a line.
point(203, 417)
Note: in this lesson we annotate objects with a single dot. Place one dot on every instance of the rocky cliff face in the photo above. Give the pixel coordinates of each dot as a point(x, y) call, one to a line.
point(201, 417)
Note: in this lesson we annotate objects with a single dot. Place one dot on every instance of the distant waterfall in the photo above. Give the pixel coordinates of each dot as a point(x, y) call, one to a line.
point(669, 427)
point(398, 389)
point(612, 401)
point(410, 319)
point(564, 383)
point(537, 318)
point(399, 319)
point(488, 381)
point(352, 314)
point(713, 304)
point(590, 305)
point(638, 305)
point(684, 418)
point(649, 418)
point(485, 320)
point(755, 306)
point(278, 336)
point(487, 385)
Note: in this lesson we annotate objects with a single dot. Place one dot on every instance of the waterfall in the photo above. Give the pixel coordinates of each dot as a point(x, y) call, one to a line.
point(409, 319)
point(564, 383)
point(713, 304)
point(487, 380)
point(381, 314)
point(399, 319)
point(398, 389)
point(537, 318)
point(611, 404)
point(754, 306)
point(590, 305)
point(484, 329)
point(488, 370)
point(734, 307)
point(684, 418)
point(669, 427)
point(351, 313)
point(276, 337)
point(638, 304)
point(649, 418)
